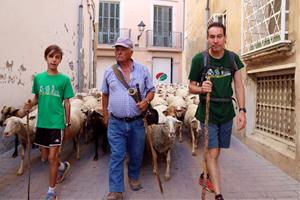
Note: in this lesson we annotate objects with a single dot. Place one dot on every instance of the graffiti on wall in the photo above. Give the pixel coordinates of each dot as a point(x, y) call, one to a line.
point(10, 74)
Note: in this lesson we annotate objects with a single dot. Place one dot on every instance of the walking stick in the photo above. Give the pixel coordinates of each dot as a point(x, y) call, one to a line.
point(28, 151)
point(204, 164)
point(154, 158)
point(137, 97)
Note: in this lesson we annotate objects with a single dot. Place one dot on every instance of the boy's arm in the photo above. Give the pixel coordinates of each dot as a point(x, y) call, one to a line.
point(67, 106)
point(28, 106)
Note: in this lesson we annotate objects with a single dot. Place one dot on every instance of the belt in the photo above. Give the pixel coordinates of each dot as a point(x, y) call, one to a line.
point(127, 119)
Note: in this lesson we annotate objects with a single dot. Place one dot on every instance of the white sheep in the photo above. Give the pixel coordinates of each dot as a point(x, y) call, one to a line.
point(163, 138)
point(193, 126)
point(158, 101)
point(16, 125)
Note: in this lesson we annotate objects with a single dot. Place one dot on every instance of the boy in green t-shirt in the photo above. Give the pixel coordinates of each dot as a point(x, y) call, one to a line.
point(224, 65)
point(52, 91)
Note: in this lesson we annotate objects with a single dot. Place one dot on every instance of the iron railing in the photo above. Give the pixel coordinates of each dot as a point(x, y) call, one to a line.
point(164, 39)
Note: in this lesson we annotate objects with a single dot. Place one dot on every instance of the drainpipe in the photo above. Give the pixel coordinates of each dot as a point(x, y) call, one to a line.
point(79, 47)
point(91, 42)
point(206, 20)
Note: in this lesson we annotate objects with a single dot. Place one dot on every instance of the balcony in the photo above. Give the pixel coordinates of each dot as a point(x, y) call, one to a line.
point(169, 41)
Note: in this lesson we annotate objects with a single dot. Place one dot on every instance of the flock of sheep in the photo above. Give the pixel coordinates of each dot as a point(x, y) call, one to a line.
point(176, 108)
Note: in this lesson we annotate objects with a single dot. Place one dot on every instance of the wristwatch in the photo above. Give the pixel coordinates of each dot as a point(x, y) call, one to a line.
point(243, 109)
point(67, 124)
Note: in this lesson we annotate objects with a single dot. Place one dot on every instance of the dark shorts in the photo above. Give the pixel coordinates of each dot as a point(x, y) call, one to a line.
point(48, 137)
point(219, 135)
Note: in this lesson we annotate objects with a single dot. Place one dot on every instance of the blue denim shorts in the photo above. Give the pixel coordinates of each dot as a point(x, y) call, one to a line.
point(219, 135)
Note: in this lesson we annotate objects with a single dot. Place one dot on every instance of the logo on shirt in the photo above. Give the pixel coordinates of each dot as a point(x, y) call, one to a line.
point(218, 72)
point(49, 90)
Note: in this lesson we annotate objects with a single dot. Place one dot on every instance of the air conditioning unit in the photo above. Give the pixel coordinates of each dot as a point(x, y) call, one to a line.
point(217, 17)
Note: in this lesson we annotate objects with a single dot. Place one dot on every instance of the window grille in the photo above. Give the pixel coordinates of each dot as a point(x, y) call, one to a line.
point(265, 23)
point(217, 17)
point(109, 22)
point(275, 108)
point(162, 28)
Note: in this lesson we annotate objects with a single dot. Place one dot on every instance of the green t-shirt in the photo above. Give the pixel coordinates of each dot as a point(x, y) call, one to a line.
point(51, 91)
point(219, 112)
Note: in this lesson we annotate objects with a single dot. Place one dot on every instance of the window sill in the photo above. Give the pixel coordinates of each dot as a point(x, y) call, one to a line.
point(269, 53)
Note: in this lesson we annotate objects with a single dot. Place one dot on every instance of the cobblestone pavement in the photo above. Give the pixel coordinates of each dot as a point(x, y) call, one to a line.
point(245, 175)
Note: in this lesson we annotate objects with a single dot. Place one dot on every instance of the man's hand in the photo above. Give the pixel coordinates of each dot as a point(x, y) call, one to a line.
point(142, 105)
point(241, 120)
point(206, 86)
point(105, 119)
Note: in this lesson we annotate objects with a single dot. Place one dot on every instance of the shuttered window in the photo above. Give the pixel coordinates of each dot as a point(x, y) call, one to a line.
point(162, 27)
point(109, 22)
point(275, 108)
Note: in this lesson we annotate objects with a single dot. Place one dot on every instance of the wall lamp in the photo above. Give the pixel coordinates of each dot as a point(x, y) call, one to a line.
point(141, 26)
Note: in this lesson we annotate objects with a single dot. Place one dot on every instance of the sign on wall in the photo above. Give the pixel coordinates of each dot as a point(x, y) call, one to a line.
point(162, 70)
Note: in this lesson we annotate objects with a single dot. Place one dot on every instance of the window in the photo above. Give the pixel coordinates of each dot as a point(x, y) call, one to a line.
point(265, 24)
point(162, 31)
point(275, 107)
point(109, 22)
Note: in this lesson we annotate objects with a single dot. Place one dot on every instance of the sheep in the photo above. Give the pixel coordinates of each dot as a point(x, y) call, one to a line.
point(95, 119)
point(7, 112)
point(182, 92)
point(77, 120)
point(193, 126)
point(16, 125)
point(158, 101)
point(163, 139)
point(161, 109)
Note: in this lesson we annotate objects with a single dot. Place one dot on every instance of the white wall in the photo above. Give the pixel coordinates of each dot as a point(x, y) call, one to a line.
point(27, 28)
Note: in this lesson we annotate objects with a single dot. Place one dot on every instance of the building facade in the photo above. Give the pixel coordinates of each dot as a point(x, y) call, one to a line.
point(27, 28)
point(154, 26)
point(264, 33)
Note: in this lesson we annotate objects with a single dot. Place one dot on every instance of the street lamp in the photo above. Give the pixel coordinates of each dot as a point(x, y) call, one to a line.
point(141, 26)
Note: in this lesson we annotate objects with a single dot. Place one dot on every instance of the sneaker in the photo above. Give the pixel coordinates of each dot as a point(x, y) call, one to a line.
point(219, 197)
point(61, 174)
point(135, 185)
point(51, 196)
point(114, 196)
point(209, 186)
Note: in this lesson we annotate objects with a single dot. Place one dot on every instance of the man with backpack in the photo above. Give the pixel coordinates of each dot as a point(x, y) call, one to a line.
point(223, 67)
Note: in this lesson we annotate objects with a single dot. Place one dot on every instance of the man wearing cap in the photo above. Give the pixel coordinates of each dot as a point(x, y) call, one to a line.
point(123, 116)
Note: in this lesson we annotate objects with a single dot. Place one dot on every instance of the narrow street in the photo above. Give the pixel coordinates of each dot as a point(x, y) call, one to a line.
point(245, 175)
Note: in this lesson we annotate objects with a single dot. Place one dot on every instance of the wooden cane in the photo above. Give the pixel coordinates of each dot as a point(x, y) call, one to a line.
point(28, 151)
point(154, 156)
point(149, 138)
point(204, 164)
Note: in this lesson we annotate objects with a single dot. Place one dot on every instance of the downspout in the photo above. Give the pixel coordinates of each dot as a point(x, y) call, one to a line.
point(183, 35)
point(79, 47)
point(91, 43)
point(207, 15)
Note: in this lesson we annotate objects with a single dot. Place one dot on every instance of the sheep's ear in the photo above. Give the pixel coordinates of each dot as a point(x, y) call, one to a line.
point(3, 109)
point(166, 112)
point(32, 117)
point(178, 121)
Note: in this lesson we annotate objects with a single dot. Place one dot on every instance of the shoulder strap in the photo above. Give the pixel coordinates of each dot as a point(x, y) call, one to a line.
point(206, 64)
point(120, 76)
point(206, 59)
point(233, 64)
